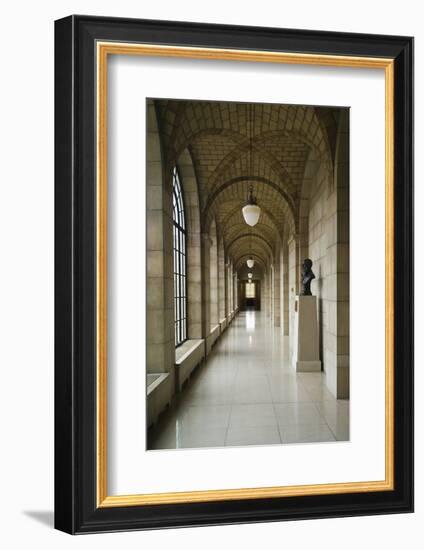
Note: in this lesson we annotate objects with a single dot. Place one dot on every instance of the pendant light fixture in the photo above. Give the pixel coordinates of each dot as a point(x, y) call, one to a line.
point(250, 275)
point(250, 261)
point(251, 210)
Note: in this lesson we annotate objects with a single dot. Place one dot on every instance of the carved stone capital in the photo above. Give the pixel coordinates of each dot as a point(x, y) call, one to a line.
point(206, 240)
point(294, 237)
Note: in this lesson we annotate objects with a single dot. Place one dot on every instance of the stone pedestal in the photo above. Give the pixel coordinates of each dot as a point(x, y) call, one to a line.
point(305, 337)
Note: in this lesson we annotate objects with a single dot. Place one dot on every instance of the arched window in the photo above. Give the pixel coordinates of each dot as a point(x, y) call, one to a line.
point(180, 262)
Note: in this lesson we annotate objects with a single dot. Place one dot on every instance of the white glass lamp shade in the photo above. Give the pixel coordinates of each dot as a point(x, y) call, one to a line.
point(250, 263)
point(251, 213)
point(250, 275)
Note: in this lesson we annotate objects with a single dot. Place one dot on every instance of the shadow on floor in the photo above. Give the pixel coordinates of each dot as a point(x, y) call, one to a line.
point(46, 517)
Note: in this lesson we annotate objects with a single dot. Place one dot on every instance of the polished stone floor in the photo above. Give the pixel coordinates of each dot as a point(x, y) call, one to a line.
point(248, 394)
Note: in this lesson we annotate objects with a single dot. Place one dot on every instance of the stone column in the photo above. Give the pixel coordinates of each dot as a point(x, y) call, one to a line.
point(277, 288)
point(232, 285)
point(194, 264)
point(293, 271)
point(160, 290)
point(206, 244)
point(221, 278)
point(213, 272)
point(194, 286)
point(284, 288)
point(227, 289)
point(265, 292)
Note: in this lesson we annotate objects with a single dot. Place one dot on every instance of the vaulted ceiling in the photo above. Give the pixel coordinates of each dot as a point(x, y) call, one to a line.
point(235, 145)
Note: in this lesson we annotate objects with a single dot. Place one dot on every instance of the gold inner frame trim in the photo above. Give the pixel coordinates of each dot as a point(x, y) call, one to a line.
point(104, 49)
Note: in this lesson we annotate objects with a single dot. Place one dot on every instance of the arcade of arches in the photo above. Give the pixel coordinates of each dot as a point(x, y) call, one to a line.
point(220, 334)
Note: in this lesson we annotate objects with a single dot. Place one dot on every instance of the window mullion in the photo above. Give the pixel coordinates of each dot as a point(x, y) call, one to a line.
point(180, 256)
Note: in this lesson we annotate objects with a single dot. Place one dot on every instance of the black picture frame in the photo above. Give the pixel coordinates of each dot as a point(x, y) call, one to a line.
point(76, 510)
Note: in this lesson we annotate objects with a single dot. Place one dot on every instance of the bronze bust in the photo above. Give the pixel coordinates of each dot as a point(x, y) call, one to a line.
point(307, 277)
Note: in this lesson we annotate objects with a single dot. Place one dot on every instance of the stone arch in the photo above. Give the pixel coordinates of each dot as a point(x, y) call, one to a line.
point(270, 198)
point(262, 230)
point(243, 270)
point(240, 260)
point(256, 252)
point(251, 179)
point(235, 217)
point(251, 237)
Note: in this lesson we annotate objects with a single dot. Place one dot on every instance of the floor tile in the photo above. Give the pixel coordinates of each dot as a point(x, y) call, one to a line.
point(336, 414)
point(306, 433)
point(204, 396)
point(205, 416)
point(319, 393)
point(247, 393)
point(248, 435)
point(183, 439)
point(252, 415)
point(289, 393)
point(289, 414)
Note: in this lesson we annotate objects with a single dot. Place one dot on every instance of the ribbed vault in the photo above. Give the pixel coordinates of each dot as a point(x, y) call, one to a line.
point(237, 145)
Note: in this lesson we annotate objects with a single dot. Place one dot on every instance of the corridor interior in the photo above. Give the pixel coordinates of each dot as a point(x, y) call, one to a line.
point(238, 196)
point(248, 393)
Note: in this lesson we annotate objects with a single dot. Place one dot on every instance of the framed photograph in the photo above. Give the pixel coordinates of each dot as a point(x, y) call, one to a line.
point(234, 274)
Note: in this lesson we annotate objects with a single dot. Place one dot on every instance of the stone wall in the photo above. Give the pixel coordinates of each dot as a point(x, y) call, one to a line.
point(159, 284)
point(213, 290)
point(322, 253)
point(341, 179)
point(329, 250)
